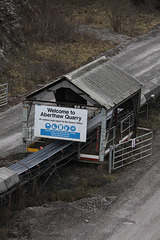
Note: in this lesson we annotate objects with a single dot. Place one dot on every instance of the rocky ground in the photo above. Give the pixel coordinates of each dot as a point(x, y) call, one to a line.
point(97, 216)
point(88, 218)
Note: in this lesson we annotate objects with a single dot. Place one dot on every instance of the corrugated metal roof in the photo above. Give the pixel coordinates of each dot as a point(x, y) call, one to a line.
point(104, 82)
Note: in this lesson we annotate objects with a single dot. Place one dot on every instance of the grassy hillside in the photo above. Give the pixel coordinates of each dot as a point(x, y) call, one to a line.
point(53, 47)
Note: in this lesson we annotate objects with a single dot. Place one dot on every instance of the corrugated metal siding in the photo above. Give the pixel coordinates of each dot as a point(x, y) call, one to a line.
point(8, 179)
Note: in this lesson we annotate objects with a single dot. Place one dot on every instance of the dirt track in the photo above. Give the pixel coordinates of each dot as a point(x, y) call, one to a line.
point(128, 209)
point(11, 130)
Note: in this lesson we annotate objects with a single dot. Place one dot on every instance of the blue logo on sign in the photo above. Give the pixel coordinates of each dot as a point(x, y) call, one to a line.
point(54, 126)
point(73, 128)
point(66, 127)
point(60, 127)
point(48, 125)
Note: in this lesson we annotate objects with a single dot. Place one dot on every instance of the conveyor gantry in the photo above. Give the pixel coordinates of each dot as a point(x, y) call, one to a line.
point(56, 152)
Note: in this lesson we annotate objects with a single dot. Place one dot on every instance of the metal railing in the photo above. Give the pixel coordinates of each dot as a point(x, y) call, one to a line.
point(112, 135)
point(3, 94)
point(128, 152)
point(126, 125)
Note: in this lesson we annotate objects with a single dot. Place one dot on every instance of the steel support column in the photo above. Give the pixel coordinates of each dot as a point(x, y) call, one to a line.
point(103, 135)
point(110, 159)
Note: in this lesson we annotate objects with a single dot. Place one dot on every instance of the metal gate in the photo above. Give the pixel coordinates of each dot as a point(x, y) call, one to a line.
point(126, 125)
point(3, 94)
point(130, 151)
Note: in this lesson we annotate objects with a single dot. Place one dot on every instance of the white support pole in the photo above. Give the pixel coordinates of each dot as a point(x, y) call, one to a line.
point(25, 123)
point(103, 135)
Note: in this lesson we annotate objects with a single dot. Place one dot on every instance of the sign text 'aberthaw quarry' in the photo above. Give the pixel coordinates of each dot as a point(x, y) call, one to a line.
point(60, 123)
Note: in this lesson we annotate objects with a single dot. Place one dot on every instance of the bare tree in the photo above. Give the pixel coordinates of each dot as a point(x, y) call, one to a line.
point(45, 21)
point(118, 12)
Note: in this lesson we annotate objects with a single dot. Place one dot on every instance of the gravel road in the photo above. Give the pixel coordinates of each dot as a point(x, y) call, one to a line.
point(11, 130)
point(135, 215)
point(140, 58)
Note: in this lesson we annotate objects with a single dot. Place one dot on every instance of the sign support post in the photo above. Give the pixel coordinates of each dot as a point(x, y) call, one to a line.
point(103, 135)
point(25, 124)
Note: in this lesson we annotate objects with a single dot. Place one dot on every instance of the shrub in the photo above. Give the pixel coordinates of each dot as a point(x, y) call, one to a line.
point(45, 22)
point(119, 12)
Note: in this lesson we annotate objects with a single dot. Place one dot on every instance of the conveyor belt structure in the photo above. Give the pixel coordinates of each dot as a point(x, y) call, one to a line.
point(55, 152)
point(53, 156)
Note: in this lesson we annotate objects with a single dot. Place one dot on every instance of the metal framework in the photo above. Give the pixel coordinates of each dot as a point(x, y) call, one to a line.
point(56, 147)
point(3, 94)
point(130, 151)
point(98, 85)
point(111, 139)
point(126, 125)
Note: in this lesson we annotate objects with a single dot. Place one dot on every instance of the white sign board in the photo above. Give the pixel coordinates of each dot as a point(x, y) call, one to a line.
point(60, 123)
